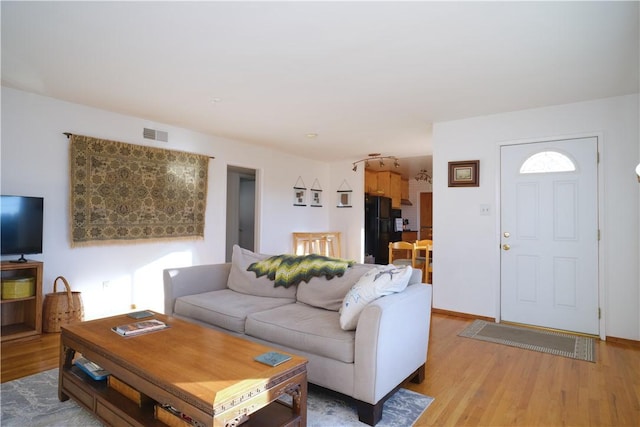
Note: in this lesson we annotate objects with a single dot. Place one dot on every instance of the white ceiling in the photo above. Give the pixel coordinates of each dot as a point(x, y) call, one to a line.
point(365, 76)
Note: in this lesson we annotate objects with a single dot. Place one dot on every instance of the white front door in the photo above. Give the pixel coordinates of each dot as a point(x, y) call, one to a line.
point(549, 234)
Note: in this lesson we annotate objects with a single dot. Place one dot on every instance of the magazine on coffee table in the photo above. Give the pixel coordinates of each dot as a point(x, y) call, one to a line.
point(141, 327)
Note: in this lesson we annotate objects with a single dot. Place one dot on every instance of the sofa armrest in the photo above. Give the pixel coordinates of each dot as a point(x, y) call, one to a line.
point(193, 280)
point(391, 342)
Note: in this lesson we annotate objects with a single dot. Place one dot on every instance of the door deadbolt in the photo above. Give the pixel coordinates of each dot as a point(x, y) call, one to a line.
point(507, 234)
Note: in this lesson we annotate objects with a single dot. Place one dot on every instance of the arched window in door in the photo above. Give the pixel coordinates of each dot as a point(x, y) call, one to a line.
point(546, 162)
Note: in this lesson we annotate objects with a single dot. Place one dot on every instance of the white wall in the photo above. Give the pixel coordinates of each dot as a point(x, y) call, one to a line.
point(466, 244)
point(348, 221)
point(34, 161)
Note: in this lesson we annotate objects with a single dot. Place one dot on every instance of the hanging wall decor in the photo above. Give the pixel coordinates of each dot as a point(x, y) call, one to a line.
point(132, 193)
point(464, 174)
point(299, 193)
point(344, 195)
point(316, 194)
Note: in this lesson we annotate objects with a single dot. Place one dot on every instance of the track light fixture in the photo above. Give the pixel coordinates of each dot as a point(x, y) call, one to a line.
point(373, 157)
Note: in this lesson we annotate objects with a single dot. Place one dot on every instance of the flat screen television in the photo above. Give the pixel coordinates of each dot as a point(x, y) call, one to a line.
point(21, 225)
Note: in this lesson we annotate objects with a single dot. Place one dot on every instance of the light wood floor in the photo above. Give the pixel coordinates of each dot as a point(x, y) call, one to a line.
point(477, 383)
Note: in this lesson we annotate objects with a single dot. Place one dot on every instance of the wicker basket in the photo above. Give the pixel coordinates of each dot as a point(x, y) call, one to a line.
point(61, 308)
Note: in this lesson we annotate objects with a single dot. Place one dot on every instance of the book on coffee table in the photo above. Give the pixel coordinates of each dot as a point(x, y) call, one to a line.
point(141, 327)
point(94, 371)
point(140, 314)
point(272, 358)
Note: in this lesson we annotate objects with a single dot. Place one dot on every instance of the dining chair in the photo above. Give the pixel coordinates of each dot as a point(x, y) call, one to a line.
point(423, 258)
point(321, 243)
point(401, 253)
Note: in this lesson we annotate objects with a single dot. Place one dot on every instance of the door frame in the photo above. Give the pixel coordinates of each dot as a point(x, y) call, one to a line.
point(602, 302)
point(257, 208)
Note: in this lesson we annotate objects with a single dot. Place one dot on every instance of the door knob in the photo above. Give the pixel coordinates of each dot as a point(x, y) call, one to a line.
point(506, 247)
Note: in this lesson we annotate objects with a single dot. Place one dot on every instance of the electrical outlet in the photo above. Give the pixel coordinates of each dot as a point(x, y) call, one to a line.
point(485, 210)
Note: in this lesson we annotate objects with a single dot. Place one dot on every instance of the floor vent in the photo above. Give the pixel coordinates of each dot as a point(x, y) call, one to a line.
point(157, 135)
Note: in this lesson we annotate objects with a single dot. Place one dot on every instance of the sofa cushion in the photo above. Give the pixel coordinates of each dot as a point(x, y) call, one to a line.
point(246, 282)
point(378, 282)
point(302, 327)
point(225, 308)
point(329, 293)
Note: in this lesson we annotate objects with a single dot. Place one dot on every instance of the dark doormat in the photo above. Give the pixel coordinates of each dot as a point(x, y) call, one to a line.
point(561, 344)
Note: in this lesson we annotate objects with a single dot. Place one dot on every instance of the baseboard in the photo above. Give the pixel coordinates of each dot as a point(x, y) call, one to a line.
point(462, 315)
point(616, 340)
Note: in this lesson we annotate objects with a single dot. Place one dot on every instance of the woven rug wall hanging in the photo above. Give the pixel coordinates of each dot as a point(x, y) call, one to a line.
point(123, 193)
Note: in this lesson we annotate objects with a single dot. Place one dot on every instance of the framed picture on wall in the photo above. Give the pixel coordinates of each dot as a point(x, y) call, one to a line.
point(316, 194)
point(316, 198)
point(464, 174)
point(299, 193)
point(299, 196)
point(344, 199)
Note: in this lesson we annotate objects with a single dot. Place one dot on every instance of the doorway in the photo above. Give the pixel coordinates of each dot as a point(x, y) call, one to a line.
point(549, 234)
point(426, 216)
point(241, 209)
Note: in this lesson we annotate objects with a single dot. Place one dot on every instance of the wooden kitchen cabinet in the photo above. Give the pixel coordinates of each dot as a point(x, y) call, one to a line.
point(396, 190)
point(389, 184)
point(404, 188)
point(385, 183)
point(370, 182)
point(409, 236)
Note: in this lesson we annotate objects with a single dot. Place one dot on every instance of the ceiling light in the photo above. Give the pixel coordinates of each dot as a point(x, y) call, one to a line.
point(423, 175)
point(215, 100)
point(312, 135)
point(378, 157)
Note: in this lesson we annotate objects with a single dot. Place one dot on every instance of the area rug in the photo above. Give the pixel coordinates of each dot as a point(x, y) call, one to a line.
point(567, 345)
point(33, 401)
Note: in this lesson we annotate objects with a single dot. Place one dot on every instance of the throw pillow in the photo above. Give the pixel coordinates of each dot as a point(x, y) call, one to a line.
point(377, 282)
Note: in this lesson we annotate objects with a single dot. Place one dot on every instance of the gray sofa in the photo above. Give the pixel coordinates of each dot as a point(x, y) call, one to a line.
point(387, 347)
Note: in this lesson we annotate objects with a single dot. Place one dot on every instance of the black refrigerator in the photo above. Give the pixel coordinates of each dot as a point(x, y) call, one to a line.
point(380, 227)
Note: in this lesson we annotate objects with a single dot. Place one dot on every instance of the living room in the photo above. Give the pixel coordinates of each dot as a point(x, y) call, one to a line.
point(122, 275)
point(117, 277)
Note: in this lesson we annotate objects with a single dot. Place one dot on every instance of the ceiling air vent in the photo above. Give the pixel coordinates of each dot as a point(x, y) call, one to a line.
point(156, 135)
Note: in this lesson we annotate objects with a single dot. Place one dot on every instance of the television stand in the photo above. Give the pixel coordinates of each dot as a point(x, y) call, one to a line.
point(22, 317)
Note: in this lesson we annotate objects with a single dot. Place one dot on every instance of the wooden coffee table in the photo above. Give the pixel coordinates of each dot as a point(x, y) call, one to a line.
point(209, 376)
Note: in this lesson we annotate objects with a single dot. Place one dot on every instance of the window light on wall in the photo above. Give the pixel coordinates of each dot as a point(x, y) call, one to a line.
point(546, 162)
